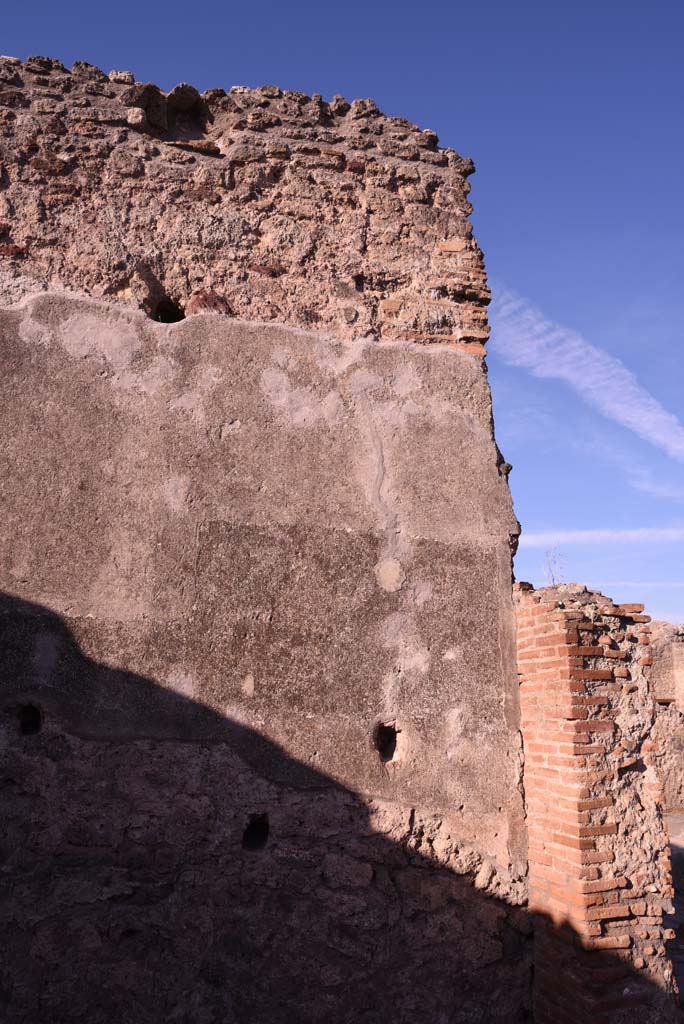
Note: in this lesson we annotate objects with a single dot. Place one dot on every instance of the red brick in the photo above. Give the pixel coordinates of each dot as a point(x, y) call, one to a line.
point(598, 830)
point(596, 803)
point(599, 857)
point(618, 910)
point(604, 884)
point(591, 674)
point(573, 842)
point(598, 725)
point(609, 942)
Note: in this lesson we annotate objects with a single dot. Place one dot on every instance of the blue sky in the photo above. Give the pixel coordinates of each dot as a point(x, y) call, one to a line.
point(572, 113)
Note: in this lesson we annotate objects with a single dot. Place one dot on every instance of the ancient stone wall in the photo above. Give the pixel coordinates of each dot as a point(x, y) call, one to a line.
point(261, 755)
point(599, 860)
point(667, 672)
point(260, 748)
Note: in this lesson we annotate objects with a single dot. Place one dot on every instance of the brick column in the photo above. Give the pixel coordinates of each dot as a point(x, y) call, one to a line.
point(599, 875)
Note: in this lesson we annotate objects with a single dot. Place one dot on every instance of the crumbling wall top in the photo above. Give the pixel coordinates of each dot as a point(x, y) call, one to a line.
point(267, 204)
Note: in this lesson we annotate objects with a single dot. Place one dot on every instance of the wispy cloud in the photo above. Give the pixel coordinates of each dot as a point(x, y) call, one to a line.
point(644, 480)
point(639, 535)
point(522, 336)
point(647, 479)
point(657, 584)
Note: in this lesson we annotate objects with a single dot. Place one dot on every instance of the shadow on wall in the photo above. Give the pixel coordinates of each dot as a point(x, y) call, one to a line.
point(147, 879)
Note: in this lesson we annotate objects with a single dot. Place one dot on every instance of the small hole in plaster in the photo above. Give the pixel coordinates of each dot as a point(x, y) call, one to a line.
point(255, 835)
point(30, 719)
point(168, 312)
point(385, 741)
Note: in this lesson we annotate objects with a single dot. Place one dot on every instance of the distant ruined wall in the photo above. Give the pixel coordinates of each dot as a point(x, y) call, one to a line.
point(599, 860)
point(261, 755)
point(667, 675)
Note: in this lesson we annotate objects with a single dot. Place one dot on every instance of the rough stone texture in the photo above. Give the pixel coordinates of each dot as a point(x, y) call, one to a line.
point(675, 828)
point(290, 208)
point(599, 858)
point(667, 673)
point(257, 546)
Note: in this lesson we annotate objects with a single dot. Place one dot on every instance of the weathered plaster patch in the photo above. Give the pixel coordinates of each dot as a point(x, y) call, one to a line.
point(362, 381)
point(406, 380)
point(389, 574)
point(176, 491)
point(339, 356)
point(117, 342)
point(301, 407)
point(33, 332)
point(400, 634)
point(161, 371)
point(181, 682)
point(422, 592)
point(190, 402)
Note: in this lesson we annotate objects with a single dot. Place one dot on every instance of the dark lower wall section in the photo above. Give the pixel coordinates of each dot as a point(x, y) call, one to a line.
point(150, 881)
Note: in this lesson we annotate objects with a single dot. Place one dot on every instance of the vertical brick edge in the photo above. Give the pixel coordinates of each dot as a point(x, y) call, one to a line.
point(599, 860)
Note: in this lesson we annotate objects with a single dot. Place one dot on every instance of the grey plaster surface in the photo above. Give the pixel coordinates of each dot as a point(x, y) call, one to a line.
point(306, 536)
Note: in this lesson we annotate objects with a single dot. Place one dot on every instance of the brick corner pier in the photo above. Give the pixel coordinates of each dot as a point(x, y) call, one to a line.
point(599, 859)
